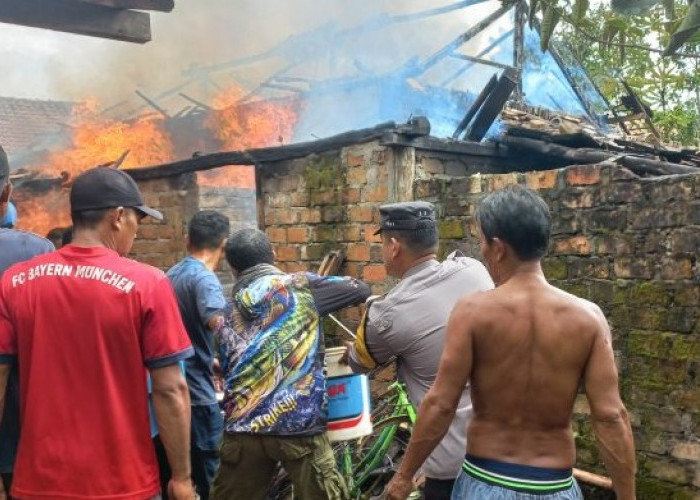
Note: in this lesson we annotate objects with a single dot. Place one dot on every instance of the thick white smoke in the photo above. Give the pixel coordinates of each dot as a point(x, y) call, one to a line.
point(50, 65)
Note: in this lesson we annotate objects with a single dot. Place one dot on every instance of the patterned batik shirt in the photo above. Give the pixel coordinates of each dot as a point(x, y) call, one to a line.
point(272, 352)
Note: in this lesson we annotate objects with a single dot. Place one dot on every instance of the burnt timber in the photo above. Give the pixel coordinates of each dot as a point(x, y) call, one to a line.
point(509, 154)
point(110, 19)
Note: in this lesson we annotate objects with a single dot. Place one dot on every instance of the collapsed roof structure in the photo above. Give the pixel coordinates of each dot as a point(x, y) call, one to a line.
point(487, 91)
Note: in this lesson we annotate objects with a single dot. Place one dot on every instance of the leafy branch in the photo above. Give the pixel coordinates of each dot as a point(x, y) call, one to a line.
point(552, 13)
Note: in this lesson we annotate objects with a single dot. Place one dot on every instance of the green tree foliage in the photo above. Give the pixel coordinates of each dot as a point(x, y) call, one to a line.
point(614, 46)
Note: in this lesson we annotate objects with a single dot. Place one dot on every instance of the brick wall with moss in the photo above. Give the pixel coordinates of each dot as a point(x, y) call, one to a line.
point(162, 244)
point(630, 245)
point(627, 243)
point(328, 202)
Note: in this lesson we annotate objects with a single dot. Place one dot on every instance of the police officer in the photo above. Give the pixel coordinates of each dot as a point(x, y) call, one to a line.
point(409, 323)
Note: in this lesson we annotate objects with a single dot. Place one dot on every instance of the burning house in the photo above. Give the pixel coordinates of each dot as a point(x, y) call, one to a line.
point(460, 114)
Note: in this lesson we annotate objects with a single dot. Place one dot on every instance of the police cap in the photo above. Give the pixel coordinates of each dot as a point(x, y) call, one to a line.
point(406, 216)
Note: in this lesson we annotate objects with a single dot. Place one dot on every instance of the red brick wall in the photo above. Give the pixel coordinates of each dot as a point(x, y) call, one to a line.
point(628, 244)
point(162, 244)
point(328, 202)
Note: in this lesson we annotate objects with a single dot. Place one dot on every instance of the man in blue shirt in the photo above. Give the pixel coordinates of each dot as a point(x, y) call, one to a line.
point(201, 301)
point(15, 246)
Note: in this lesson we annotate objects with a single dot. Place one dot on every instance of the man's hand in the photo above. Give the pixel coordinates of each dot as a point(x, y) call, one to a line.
point(178, 489)
point(399, 487)
point(3, 495)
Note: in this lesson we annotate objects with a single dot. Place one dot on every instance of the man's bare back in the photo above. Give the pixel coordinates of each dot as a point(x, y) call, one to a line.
point(525, 347)
point(531, 343)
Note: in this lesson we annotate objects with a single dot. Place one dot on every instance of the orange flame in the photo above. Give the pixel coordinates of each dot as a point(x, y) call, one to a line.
point(42, 213)
point(96, 140)
point(236, 123)
point(242, 124)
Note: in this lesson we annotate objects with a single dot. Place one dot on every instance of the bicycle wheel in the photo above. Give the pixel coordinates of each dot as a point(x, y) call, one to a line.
point(375, 457)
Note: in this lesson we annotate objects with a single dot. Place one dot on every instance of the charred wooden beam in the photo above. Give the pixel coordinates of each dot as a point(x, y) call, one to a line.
point(78, 17)
point(637, 164)
point(479, 60)
point(640, 106)
point(261, 155)
point(152, 103)
point(159, 5)
point(475, 106)
point(195, 101)
point(519, 46)
point(259, 198)
point(481, 53)
point(463, 38)
point(492, 106)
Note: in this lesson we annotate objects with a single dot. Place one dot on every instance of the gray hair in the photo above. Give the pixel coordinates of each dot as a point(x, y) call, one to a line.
point(519, 217)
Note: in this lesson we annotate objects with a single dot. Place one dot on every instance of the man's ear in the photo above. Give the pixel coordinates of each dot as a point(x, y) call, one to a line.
point(395, 247)
point(117, 216)
point(500, 249)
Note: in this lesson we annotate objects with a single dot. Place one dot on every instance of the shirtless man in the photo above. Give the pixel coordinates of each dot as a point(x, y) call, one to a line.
point(525, 347)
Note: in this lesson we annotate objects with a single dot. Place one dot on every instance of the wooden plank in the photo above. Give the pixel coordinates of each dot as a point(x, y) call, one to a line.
point(261, 155)
point(479, 60)
point(594, 479)
point(492, 107)
point(159, 5)
point(637, 164)
point(475, 106)
point(78, 17)
point(463, 38)
point(259, 198)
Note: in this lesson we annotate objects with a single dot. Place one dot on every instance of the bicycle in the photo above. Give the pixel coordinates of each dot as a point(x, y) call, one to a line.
point(368, 463)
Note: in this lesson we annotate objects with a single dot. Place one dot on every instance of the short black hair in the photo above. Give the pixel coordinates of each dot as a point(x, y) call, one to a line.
point(418, 241)
point(67, 237)
point(519, 217)
point(207, 229)
point(56, 234)
point(88, 219)
point(247, 248)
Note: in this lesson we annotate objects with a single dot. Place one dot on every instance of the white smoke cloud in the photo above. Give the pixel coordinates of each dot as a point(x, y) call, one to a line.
point(51, 65)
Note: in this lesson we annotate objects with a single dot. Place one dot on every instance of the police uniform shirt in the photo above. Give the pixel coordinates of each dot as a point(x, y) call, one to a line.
point(410, 323)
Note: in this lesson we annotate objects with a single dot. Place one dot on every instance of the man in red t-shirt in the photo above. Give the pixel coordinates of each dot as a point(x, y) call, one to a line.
point(83, 322)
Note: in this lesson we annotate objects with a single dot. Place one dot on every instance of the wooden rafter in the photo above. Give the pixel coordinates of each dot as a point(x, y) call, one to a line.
point(78, 17)
point(160, 5)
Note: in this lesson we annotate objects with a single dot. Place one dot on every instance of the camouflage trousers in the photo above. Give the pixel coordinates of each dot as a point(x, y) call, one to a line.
point(248, 463)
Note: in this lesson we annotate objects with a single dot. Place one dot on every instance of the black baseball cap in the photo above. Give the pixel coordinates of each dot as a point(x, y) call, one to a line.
point(104, 187)
point(406, 216)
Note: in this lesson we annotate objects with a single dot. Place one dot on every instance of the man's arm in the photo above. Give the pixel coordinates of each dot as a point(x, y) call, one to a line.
point(611, 423)
point(335, 292)
point(171, 401)
point(438, 408)
point(375, 343)
point(210, 302)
